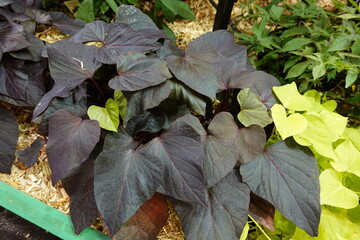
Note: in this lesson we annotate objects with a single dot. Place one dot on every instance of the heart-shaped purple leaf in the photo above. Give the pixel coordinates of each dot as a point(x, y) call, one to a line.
point(289, 179)
point(222, 42)
point(226, 215)
point(79, 184)
point(125, 178)
point(13, 79)
point(56, 91)
point(196, 70)
point(9, 32)
point(70, 143)
point(71, 63)
point(9, 132)
point(181, 150)
point(117, 38)
point(228, 144)
point(65, 23)
point(29, 155)
point(137, 71)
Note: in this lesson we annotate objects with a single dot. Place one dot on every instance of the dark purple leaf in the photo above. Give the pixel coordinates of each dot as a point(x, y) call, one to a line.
point(13, 79)
point(40, 16)
point(197, 70)
point(221, 155)
point(147, 222)
point(181, 150)
point(262, 211)
point(228, 144)
point(65, 23)
point(11, 16)
point(29, 155)
point(117, 38)
point(125, 178)
point(134, 17)
point(173, 110)
point(56, 91)
point(169, 48)
point(20, 6)
point(289, 179)
point(33, 52)
point(77, 108)
point(222, 42)
point(186, 95)
point(262, 86)
point(139, 21)
point(71, 63)
point(259, 82)
point(79, 184)
point(9, 132)
point(22, 81)
point(137, 71)
point(6, 2)
point(12, 37)
point(230, 76)
point(226, 215)
point(147, 98)
point(70, 143)
point(149, 121)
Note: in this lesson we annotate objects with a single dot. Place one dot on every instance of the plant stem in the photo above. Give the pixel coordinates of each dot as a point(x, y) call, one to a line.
point(258, 225)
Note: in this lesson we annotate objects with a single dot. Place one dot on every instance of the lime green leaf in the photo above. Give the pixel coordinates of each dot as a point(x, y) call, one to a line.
point(351, 77)
point(318, 135)
point(253, 111)
point(295, 44)
point(334, 193)
point(348, 158)
point(283, 224)
point(338, 226)
point(107, 117)
point(318, 71)
point(291, 98)
point(245, 232)
point(330, 105)
point(354, 214)
point(342, 42)
point(86, 11)
point(121, 102)
point(297, 69)
point(335, 122)
point(354, 135)
point(287, 126)
point(302, 235)
point(314, 98)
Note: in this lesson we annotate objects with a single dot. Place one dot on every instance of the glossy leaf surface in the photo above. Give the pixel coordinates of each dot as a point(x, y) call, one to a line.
point(70, 143)
point(289, 179)
point(9, 133)
point(224, 218)
point(125, 178)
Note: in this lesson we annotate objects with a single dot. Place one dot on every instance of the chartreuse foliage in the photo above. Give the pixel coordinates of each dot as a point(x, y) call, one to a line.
point(305, 43)
point(336, 147)
point(134, 120)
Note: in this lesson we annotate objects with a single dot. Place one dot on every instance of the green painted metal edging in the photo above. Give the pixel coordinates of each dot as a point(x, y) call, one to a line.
point(44, 216)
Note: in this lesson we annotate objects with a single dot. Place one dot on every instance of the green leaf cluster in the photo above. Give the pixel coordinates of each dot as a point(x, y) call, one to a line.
point(305, 43)
point(311, 121)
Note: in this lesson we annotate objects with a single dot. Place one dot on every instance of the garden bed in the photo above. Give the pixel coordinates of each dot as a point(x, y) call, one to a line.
point(36, 182)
